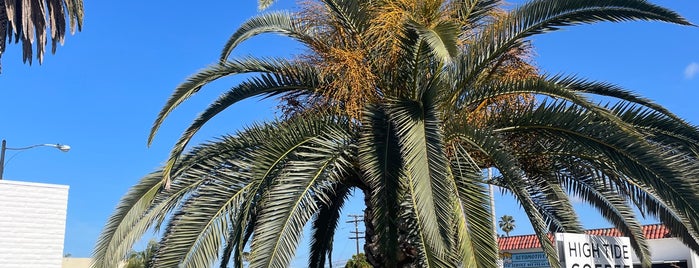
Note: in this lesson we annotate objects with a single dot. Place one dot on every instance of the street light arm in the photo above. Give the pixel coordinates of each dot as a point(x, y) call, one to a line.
point(3, 148)
point(62, 147)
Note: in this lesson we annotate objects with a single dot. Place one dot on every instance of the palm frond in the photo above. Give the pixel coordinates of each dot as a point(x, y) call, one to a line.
point(195, 82)
point(596, 192)
point(123, 229)
point(30, 21)
point(324, 226)
point(515, 178)
point(290, 200)
point(542, 16)
point(660, 128)
point(473, 12)
point(193, 236)
point(417, 127)
point(667, 173)
point(556, 87)
point(146, 205)
point(349, 13)
point(482, 243)
point(553, 203)
point(441, 39)
point(229, 248)
point(284, 78)
point(264, 4)
point(609, 90)
point(275, 22)
point(379, 155)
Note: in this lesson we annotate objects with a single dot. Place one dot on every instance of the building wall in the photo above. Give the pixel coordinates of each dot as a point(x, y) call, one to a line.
point(71, 262)
point(671, 249)
point(76, 262)
point(693, 260)
point(32, 224)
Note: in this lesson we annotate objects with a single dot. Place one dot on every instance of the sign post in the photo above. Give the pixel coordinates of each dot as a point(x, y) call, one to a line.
point(588, 251)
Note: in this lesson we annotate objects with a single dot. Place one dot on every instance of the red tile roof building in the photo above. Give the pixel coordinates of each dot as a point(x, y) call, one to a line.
point(655, 231)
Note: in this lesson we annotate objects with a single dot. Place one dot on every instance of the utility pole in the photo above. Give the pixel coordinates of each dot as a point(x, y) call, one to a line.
point(357, 219)
point(492, 211)
point(492, 203)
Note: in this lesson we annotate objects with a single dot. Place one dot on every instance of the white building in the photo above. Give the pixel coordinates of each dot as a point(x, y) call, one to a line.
point(69, 262)
point(32, 224)
point(524, 251)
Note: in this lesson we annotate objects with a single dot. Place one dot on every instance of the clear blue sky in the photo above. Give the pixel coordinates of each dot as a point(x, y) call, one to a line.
point(103, 88)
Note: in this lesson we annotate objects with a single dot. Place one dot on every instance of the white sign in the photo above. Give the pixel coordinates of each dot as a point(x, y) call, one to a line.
point(588, 251)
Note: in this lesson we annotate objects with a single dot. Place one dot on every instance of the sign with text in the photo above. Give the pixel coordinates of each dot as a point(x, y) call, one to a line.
point(525, 260)
point(589, 251)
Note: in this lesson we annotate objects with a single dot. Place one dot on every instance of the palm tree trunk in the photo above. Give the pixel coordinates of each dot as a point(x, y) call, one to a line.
point(372, 249)
point(407, 253)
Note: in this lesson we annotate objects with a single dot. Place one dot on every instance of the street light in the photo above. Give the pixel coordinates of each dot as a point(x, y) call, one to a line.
point(62, 147)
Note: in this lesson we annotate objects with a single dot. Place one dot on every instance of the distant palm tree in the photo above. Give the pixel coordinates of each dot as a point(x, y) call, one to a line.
point(507, 224)
point(358, 261)
point(142, 259)
point(30, 22)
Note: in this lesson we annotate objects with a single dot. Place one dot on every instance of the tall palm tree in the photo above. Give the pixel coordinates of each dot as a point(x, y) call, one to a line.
point(29, 22)
point(506, 224)
point(428, 95)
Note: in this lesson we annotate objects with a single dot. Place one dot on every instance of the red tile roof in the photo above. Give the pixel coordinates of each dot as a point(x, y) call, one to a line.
point(655, 231)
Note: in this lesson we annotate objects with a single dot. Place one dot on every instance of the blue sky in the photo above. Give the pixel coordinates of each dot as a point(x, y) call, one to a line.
point(103, 88)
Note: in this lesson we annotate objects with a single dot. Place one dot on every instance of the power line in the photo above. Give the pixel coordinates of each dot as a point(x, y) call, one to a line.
point(357, 219)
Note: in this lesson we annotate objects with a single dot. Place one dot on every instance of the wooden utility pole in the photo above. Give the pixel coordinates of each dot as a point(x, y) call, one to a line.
point(357, 219)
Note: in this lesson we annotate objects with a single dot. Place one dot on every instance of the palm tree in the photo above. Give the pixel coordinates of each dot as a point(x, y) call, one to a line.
point(142, 259)
point(30, 22)
point(507, 224)
point(429, 94)
point(357, 261)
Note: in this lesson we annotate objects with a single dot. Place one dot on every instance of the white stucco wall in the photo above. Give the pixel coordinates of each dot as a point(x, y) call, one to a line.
point(671, 249)
point(693, 261)
point(32, 224)
point(668, 250)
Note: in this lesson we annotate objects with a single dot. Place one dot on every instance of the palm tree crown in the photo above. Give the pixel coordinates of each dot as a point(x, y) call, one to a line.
point(506, 224)
point(31, 21)
point(409, 101)
point(142, 259)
